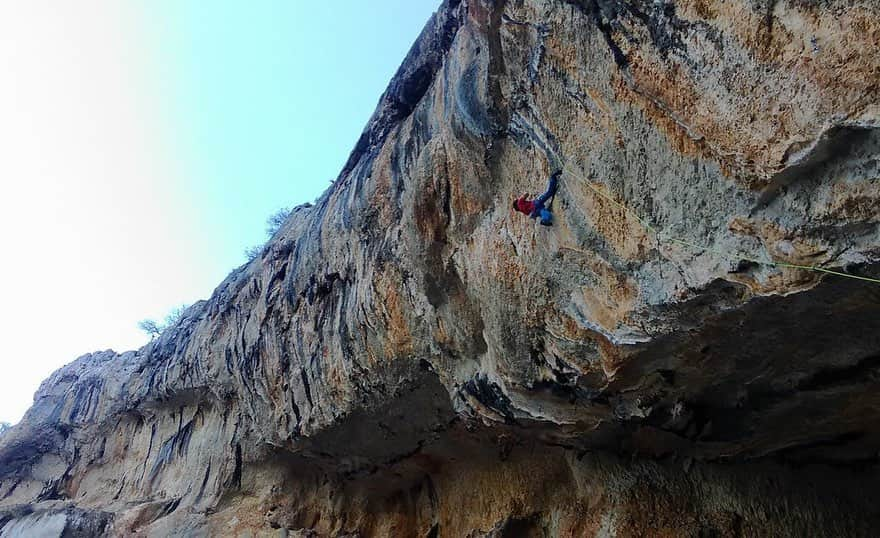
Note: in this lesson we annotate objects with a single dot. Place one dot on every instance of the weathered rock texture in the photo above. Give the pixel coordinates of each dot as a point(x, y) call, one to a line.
point(410, 358)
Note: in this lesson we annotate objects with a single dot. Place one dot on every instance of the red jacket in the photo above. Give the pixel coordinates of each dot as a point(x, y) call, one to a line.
point(525, 206)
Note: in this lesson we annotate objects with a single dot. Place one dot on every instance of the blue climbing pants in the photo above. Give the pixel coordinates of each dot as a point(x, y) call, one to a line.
point(540, 208)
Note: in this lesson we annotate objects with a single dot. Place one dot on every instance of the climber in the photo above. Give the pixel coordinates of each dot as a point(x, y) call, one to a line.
point(538, 207)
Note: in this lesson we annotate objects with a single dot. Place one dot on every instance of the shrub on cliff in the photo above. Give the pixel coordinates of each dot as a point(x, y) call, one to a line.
point(253, 252)
point(154, 328)
point(273, 224)
point(150, 327)
point(276, 219)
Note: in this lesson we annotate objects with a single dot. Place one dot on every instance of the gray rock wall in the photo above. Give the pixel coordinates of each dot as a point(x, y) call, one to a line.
point(408, 357)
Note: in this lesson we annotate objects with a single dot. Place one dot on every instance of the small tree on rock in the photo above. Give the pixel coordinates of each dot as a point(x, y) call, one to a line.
point(252, 253)
point(154, 328)
point(150, 327)
point(175, 315)
point(276, 220)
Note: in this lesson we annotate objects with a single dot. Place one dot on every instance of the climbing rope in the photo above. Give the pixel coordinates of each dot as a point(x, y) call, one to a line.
point(729, 255)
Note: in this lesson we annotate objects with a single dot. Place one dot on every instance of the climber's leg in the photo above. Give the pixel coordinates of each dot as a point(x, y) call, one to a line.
point(551, 190)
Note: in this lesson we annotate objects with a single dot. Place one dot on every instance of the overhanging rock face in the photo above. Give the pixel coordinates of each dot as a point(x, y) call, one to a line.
point(408, 357)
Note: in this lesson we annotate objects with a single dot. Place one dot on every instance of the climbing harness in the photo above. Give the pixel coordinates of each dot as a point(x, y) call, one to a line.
point(729, 255)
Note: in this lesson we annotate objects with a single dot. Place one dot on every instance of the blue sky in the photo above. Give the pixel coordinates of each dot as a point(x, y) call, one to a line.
point(146, 143)
point(266, 99)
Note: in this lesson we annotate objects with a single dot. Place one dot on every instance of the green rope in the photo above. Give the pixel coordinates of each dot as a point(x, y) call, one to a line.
point(730, 255)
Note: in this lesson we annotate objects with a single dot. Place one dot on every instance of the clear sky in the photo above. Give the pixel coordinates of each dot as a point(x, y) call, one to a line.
point(145, 143)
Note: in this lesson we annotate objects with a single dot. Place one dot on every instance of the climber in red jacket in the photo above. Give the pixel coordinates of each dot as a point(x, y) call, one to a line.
point(537, 208)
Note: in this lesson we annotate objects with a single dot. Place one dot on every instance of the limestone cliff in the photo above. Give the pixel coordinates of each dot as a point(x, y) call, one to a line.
point(408, 357)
